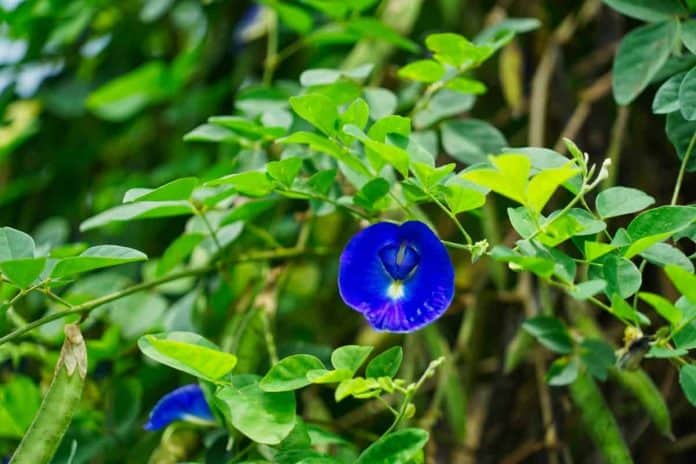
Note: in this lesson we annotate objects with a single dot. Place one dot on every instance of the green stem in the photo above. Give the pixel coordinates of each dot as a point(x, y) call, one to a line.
point(271, 48)
point(453, 217)
point(411, 391)
point(288, 51)
point(92, 304)
point(326, 199)
point(402, 411)
point(458, 246)
point(209, 226)
point(57, 299)
point(567, 207)
point(270, 340)
point(682, 170)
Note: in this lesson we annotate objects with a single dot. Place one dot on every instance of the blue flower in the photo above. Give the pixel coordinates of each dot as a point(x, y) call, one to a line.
point(399, 277)
point(185, 403)
point(252, 25)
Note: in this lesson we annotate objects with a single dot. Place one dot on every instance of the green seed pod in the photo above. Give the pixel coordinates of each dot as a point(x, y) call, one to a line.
point(51, 421)
point(641, 386)
point(598, 420)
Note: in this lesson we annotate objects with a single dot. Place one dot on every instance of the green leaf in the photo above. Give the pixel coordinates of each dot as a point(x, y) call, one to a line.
point(521, 220)
point(294, 17)
point(395, 156)
point(177, 251)
point(350, 357)
point(595, 250)
point(318, 110)
point(423, 71)
point(15, 244)
point(374, 29)
point(460, 197)
point(648, 10)
point(471, 140)
point(250, 183)
point(96, 258)
point(358, 387)
point(247, 129)
point(385, 364)
point(509, 178)
point(685, 338)
point(663, 254)
point(622, 276)
point(684, 281)
point(687, 94)
point(212, 133)
point(540, 266)
point(285, 170)
point(324, 145)
point(128, 94)
point(333, 9)
point(663, 307)
point(641, 54)
point(598, 357)
point(357, 114)
point(20, 400)
point(138, 210)
point(542, 186)
point(395, 448)
point(290, 373)
point(661, 352)
point(322, 181)
point(319, 76)
point(393, 124)
point(550, 332)
point(516, 25)
point(454, 49)
point(687, 380)
point(617, 201)
point(188, 352)
point(585, 290)
point(322, 376)
point(430, 176)
point(656, 225)
point(466, 85)
point(264, 417)
point(563, 371)
point(382, 102)
point(688, 34)
point(680, 132)
point(624, 311)
point(370, 193)
point(667, 97)
point(24, 271)
point(179, 189)
point(444, 104)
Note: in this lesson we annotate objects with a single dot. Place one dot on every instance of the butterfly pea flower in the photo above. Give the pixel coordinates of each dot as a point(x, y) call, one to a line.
point(186, 403)
point(399, 277)
point(252, 25)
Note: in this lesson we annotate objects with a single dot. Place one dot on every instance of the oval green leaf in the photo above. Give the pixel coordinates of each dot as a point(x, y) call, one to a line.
point(188, 352)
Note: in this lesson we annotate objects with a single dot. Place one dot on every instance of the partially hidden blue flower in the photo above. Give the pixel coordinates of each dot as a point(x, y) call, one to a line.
point(400, 277)
point(252, 25)
point(186, 403)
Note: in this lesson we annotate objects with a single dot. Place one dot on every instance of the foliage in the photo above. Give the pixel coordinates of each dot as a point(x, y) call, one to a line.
point(190, 172)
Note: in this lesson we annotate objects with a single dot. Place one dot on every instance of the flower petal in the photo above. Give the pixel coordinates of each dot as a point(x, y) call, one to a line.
point(362, 279)
point(389, 300)
point(184, 403)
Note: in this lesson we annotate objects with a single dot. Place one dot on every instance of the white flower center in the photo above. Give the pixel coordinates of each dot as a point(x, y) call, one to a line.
point(396, 290)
